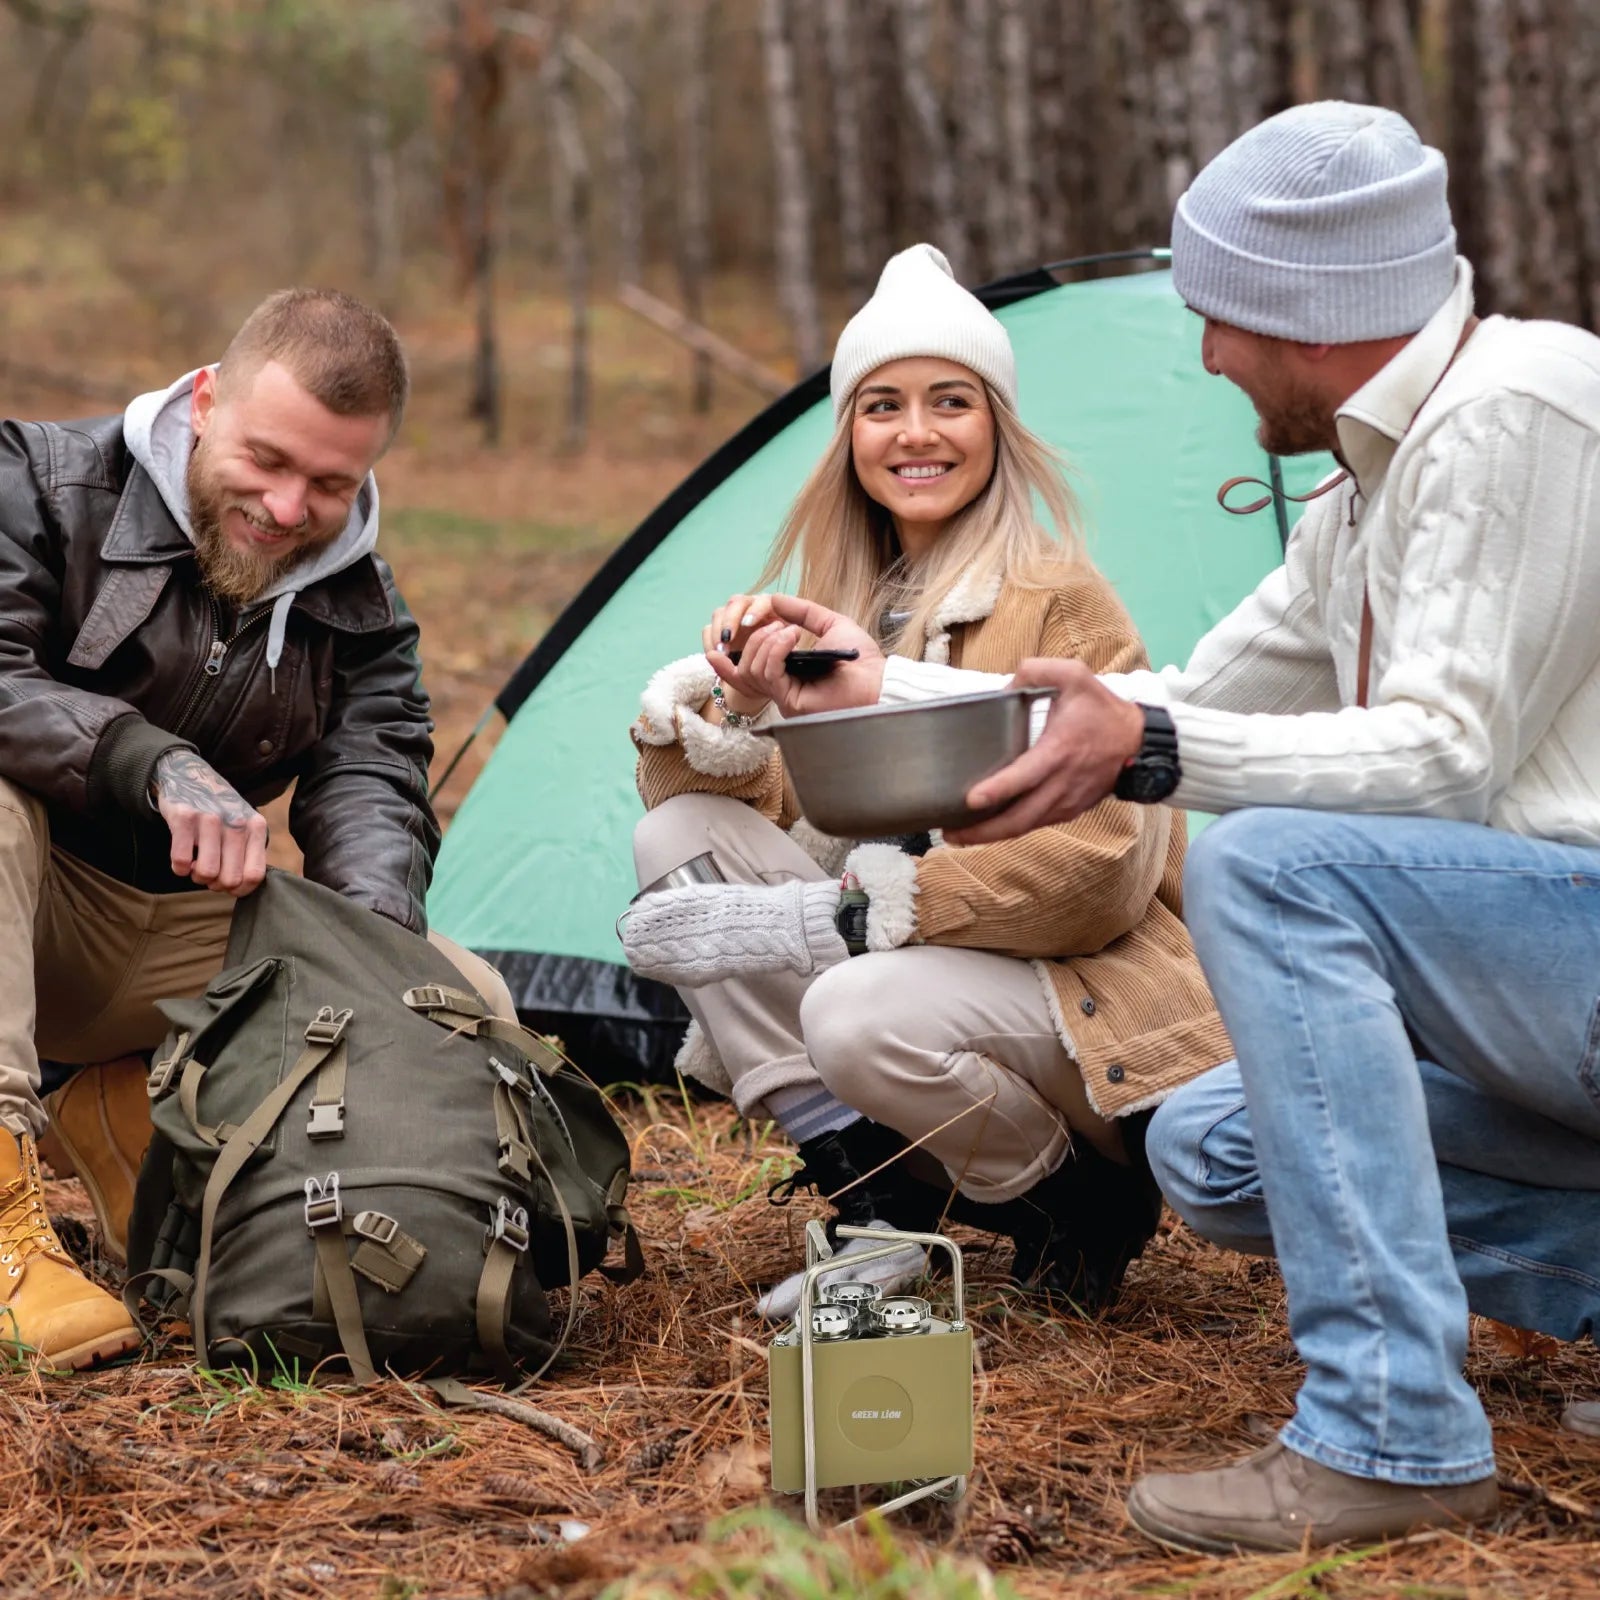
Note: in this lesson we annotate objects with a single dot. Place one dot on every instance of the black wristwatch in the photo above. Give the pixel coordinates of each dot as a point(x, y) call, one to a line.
point(1154, 772)
point(851, 920)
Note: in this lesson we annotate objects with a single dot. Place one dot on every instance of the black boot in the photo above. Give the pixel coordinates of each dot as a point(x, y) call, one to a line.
point(1077, 1230)
point(837, 1165)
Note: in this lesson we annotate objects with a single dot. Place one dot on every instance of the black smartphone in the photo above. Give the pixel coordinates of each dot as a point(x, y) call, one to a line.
point(809, 664)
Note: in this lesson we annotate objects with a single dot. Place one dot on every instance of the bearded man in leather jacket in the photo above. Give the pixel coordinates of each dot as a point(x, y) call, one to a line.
point(194, 619)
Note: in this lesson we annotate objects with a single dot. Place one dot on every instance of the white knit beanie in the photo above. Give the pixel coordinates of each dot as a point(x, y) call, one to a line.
point(1325, 224)
point(918, 309)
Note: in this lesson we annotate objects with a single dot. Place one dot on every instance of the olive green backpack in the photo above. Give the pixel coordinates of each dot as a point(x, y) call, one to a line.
point(351, 1158)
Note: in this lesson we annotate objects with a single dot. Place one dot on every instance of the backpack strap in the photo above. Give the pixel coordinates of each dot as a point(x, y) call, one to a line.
point(462, 1012)
point(324, 1035)
point(325, 1219)
point(133, 1291)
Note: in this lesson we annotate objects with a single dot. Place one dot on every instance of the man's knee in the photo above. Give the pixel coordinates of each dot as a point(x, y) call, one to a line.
point(1200, 1153)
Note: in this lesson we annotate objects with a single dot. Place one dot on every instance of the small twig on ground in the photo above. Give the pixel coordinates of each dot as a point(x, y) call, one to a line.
point(1567, 1504)
point(589, 1453)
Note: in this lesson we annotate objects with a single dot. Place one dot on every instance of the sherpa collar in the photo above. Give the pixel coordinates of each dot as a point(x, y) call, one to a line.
point(972, 598)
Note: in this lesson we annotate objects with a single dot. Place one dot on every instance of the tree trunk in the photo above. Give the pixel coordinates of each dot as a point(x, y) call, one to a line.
point(694, 165)
point(1274, 21)
point(845, 79)
point(978, 139)
point(571, 189)
point(1396, 66)
point(1051, 155)
point(931, 147)
point(1547, 204)
point(1211, 91)
point(797, 286)
point(1343, 49)
point(381, 186)
point(627, 141)
point(1499, 175)
point(472, 174)
point(893, 139)
point(1136, 207)
point(1022, 244)
point(1168, 36)
point(1578, 55)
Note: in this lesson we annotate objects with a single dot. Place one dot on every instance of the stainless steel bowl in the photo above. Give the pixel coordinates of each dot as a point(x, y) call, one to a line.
point(882, 770)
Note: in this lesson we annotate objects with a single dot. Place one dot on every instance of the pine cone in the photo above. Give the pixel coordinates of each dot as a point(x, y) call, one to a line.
point(521, 1490)
point(1007, 1540)
point(654, 1454)
point(395, 1476)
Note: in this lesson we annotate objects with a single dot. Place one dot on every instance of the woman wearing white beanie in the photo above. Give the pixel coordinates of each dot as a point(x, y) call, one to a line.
point(954, 1026)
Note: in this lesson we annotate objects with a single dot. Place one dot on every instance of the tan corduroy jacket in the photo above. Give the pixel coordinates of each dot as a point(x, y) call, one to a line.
point(1094, 904)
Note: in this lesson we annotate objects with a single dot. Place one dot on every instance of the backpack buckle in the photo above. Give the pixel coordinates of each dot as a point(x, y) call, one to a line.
point(324, 1208)
point(509, 1223)
point(328, 1026)
point(511, 1078)
point(426, 997)
point(376, 1226)
point(326, 1120)
point(164, 1071)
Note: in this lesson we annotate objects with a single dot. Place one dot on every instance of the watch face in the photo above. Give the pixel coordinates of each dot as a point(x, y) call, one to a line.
point(1149, 781)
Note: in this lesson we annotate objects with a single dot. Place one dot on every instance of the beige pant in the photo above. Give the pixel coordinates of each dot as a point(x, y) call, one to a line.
point(86, 958)
point(954, 1048)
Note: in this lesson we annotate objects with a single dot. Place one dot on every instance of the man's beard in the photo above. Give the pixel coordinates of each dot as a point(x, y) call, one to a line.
point(230, 572)
point(1296, 424)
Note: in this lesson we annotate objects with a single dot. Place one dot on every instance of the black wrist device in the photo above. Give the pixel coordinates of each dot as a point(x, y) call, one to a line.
point(1154, 772)
point(851, 920)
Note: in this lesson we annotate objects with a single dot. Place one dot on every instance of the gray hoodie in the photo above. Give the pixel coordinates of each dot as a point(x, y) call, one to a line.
point(159, 437)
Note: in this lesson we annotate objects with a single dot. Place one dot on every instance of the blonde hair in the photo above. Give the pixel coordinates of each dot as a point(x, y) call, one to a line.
point(845, 540)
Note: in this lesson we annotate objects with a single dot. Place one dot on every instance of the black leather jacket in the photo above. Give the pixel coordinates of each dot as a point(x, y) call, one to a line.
point(109, 658)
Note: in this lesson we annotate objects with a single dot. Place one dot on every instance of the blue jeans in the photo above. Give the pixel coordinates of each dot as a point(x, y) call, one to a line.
point(1414, 1115)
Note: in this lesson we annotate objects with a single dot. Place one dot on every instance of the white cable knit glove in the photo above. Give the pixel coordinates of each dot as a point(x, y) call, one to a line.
point(891, 1273)
point(710, 931)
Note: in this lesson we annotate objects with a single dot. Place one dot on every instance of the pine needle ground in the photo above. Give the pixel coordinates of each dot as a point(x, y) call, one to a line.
point(154, 1478)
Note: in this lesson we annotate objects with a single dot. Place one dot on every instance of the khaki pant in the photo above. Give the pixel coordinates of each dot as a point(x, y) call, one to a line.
point(86, 958)
point(955, 1048)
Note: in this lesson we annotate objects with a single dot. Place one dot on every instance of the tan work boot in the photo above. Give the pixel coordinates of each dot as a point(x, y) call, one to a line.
point(47, 1307)
point(101, 1118)
point(1277, 1499)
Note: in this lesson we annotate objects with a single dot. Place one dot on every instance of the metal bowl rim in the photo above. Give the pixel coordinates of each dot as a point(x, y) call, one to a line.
point(848, 712)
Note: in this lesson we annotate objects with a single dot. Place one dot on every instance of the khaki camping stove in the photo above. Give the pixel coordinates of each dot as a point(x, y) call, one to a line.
point(871, 1390)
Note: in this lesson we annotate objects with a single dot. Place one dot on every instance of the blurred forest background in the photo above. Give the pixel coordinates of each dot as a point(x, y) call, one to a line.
point(610, 230)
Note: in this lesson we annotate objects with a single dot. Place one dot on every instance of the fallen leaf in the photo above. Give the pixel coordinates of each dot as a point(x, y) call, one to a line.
point(736, 1474)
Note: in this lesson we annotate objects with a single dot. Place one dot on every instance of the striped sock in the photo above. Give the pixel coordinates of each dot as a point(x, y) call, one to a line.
point(807, 1111)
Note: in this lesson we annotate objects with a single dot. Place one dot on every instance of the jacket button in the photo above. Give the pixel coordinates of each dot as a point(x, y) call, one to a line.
point(265, 747)
point(1116, 1074)
point(1086, 1006)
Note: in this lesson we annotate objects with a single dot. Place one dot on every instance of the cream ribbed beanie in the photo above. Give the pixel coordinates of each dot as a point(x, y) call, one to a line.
point(918, 309)
point(1326, 224)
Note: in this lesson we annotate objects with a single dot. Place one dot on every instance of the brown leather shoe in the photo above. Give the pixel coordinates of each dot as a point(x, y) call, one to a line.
point(1280, 1500)
point(1582, 1416)
point(101, 1118)
point(47, 1307)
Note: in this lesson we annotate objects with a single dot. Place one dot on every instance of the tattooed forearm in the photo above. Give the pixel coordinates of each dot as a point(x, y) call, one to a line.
point(183, 779)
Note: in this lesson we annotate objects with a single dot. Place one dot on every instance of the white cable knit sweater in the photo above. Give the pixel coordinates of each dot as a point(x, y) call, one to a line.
point(1476, 534)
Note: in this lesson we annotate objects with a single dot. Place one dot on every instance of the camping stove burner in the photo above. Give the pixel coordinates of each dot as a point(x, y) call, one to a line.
point(905, 1313)
point(859, 1295)
point(833, 1322)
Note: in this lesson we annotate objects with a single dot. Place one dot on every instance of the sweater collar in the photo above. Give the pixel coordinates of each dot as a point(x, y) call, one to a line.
point(1372, 422)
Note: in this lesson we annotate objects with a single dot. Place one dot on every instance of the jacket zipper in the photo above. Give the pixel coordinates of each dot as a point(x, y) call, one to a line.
point(216, 654)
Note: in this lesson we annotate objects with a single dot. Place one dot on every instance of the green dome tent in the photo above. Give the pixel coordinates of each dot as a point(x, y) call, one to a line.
point(538, 864)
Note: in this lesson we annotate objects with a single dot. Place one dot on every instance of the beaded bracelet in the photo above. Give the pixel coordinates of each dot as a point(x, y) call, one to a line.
point(730, 717)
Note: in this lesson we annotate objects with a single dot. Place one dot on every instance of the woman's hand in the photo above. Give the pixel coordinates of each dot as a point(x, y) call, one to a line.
point(727, 634)
point(851, 683)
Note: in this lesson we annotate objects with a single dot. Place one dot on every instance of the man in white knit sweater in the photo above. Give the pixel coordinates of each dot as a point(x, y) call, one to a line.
point(1400, 914)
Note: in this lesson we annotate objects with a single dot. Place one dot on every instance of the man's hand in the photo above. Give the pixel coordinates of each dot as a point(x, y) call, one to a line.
point(1087, 740)
point(218, 838)
point(851, 683)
